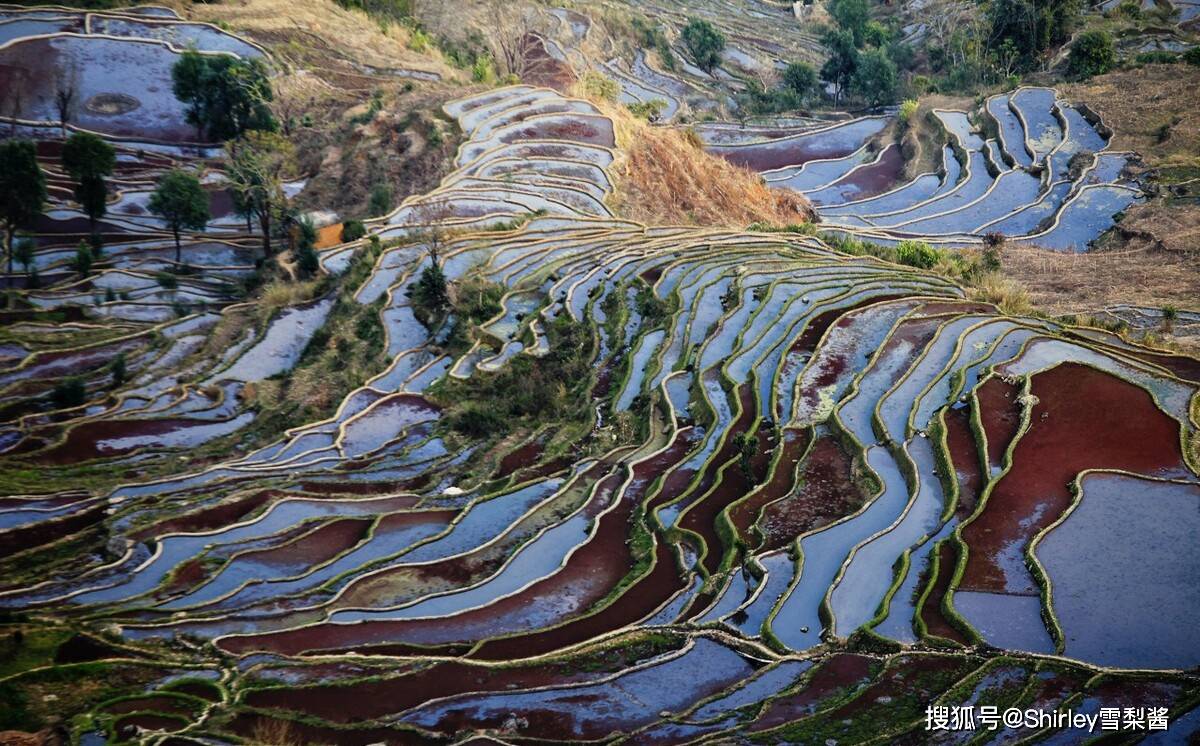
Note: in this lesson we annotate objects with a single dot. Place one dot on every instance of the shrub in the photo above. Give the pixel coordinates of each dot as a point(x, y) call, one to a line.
point(352, 230)
point(419, 41)
point(1093, 53)
point(908, 109)
point(801, 78)
point(1129, 9)
point(704, 42)
point(307, 260)
point(917, 254)
point(1157, 57)
point(875, 77)
point(82, 262)
point(600, 86)
point(477, 422)
point(649, 110)
point(381, 200)
point(167, 280)
point(70, 392)
point(1192, 56)
point(430, 291)
point(117, 369)
point(483, 71)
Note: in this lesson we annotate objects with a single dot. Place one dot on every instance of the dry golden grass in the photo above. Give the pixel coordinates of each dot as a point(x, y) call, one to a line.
point(663, 177)
point(1138, 103)
point(1007, 295)
point(273, 732)
point(1064, 283)
point(323, 24)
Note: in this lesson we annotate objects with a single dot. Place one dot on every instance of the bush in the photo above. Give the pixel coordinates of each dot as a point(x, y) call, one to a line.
point(477, 422)
point(1129, 9)
point(381, 200)
point(82, 263)
point(307, 260)
point(704, 42)
point(352, 230)
point(1093, 53)
point(1192, 56)
point(167, 280)
point(117, 370)
point(70, 392)
point(908, 109)
point(1157, 57)
point(800, 78)
point(875, 77)
point(430, 291)
point(649, 110)
point(600, 86)
point(483, 71)
point(917, 254)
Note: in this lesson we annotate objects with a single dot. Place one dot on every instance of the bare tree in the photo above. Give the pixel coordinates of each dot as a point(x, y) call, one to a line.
point(66, 94)
point(11, 103)
point(511, 32)
point(431, 216)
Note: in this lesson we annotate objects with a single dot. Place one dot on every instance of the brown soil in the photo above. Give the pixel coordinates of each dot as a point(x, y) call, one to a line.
point(1136, 103)
point(1142, 272)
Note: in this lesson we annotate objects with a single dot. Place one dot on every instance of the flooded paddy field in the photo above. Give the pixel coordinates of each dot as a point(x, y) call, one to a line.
point(784, 494)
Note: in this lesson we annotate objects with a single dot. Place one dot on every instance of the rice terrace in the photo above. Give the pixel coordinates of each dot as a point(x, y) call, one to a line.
point(550, 371)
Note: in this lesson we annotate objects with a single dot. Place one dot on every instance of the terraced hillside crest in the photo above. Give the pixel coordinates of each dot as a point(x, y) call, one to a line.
point(791, 495)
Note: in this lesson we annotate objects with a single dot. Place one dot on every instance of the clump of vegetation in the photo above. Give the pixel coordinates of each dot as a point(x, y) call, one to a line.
point(380, 201)
point(182, 203)
point(598, 86)
point(652, 37)
point(304, 254)
point(649, 110)
point(69, 392)
point(704, 44)
point(82, 261)
point(22, 190)
point(430, 293)
point(528, 390)
point(225, 95)
point(89, 160)
point(1093, 53)
point(352, 230)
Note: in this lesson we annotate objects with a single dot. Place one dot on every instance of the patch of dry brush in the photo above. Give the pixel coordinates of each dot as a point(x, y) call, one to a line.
point(663, 177)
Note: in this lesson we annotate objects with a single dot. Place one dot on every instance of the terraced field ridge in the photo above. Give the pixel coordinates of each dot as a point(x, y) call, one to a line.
point(813, 493)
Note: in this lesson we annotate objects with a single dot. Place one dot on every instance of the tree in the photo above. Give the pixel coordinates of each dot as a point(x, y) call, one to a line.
point(182, 203)
point(852, 16)
point(22, 190)
point(89, 160)
point(305, 254)
point(843, 60)
point(511, 34)
point(1093, 53)
point(256, 174)
point(1033, 26)
point(704, 42)
point(225, 96)
point(430, 291)
point(70, 392)
point(381, 200)
point(83, 259)
point(24, 251)
point(875, 77)
point(800, 78)
point(66, 94)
